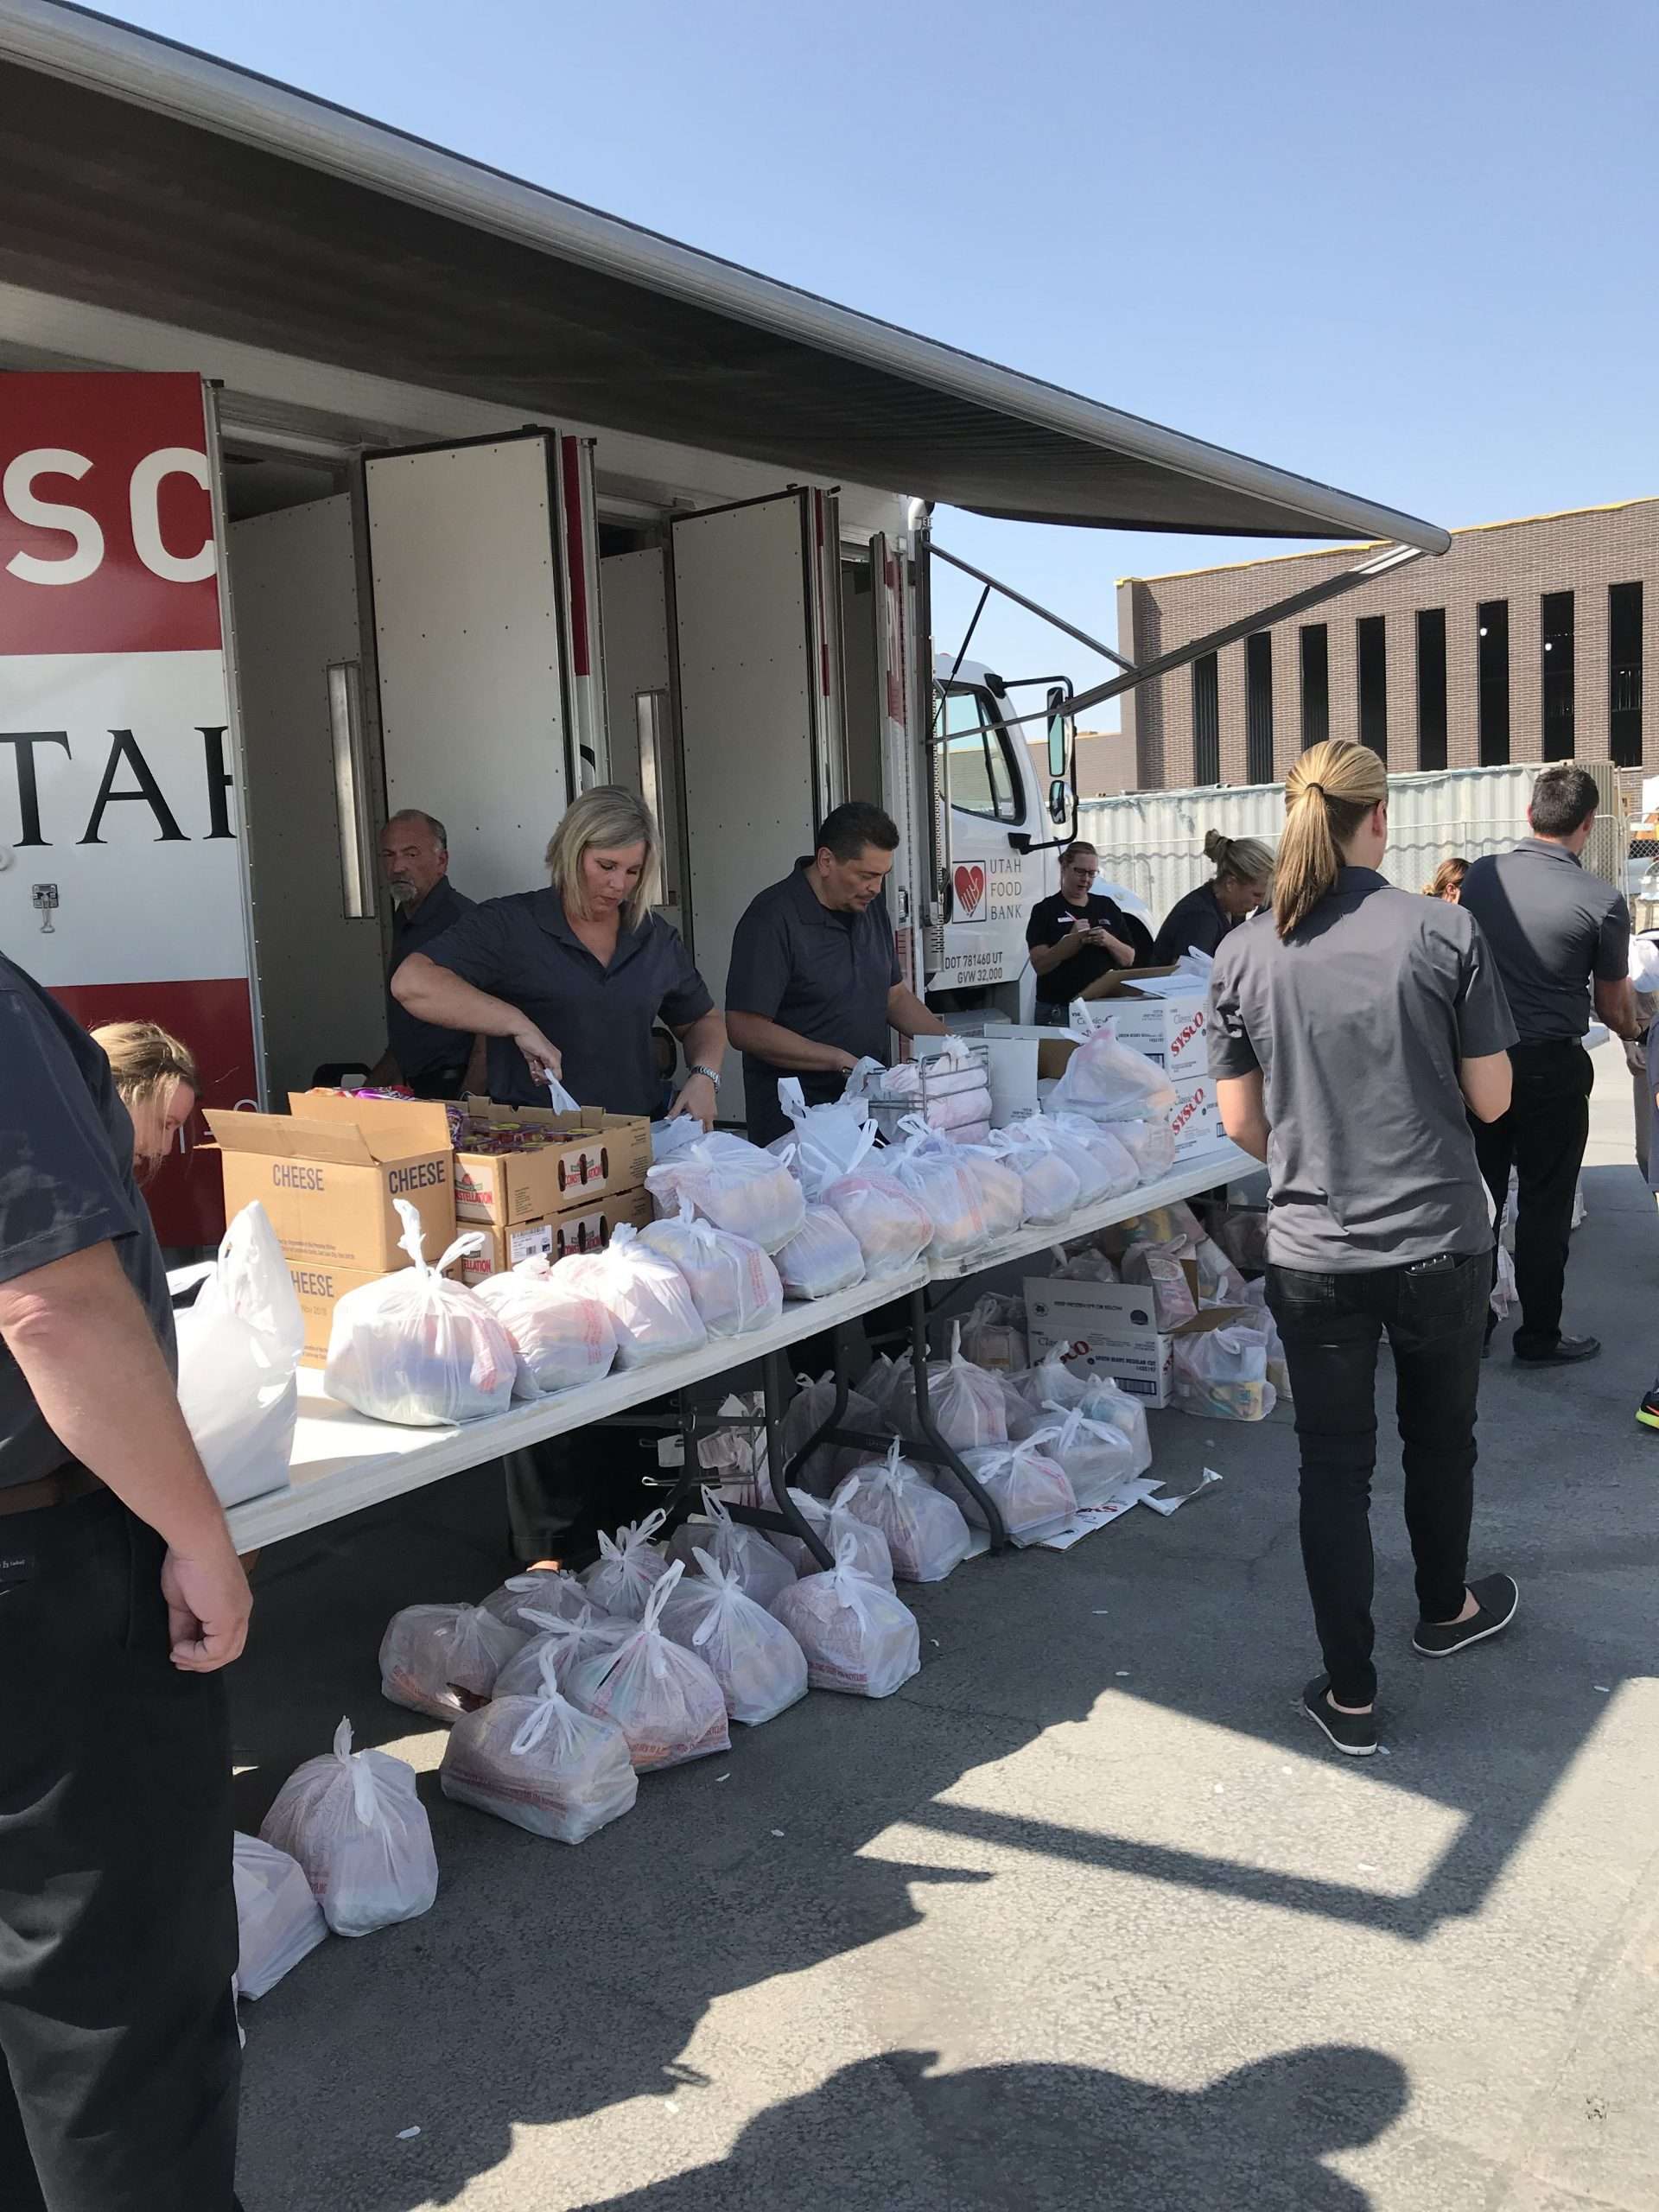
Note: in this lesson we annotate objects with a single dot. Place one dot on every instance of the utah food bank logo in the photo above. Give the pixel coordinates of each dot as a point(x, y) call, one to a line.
point(969, 880)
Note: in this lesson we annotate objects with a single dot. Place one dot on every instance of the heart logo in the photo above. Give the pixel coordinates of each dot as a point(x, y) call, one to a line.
point(970, 889)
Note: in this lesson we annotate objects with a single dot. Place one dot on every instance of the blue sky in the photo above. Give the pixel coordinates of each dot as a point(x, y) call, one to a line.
point(1407, 250)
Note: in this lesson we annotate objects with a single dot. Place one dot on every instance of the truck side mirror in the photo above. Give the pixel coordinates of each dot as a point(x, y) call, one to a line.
point(1059, 729)
point(1059, 799)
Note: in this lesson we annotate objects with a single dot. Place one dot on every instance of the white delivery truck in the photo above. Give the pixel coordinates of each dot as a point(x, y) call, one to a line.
point(339, 474)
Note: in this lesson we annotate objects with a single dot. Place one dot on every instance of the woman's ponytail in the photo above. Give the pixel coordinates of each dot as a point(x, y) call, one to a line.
point(1328, 793)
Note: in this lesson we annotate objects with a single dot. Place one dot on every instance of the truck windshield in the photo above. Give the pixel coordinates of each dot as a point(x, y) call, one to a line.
point(981, 775)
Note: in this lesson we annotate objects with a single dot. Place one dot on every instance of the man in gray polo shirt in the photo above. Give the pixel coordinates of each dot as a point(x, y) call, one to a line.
point(1554, 932)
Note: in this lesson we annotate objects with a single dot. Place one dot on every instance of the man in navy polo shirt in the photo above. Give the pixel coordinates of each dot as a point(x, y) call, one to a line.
point(815, 986)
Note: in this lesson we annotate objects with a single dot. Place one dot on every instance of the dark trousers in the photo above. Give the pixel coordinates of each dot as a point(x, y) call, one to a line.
point(119, 2057)
point(1543, 1137)
point(1332, 1325)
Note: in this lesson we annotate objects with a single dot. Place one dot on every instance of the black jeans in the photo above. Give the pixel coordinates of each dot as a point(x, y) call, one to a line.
point(1332, 1325)
point(1543, 1137)
point(118, 2059)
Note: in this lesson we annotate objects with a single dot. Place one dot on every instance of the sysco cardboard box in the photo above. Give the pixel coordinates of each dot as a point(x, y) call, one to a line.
point(1111, 1328)
point(328, 1176)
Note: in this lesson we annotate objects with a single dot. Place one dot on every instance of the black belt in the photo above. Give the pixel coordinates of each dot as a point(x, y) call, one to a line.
point(59, 1488)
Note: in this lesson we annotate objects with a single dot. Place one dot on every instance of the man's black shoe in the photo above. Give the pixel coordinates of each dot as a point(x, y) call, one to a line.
point(1496, 1599)
point(1565, 1352)
point(1353, 1733)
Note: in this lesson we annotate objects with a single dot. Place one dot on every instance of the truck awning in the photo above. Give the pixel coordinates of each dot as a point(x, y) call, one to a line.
point(140, 175)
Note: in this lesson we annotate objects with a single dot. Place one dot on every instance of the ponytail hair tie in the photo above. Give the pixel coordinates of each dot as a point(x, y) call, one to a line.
point(1320, 788)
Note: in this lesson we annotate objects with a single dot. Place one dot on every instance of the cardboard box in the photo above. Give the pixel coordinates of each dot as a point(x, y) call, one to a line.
point(318, 1290)
point(1195, 1119)
point(1173, 1032)
point(328, 1176)
point(556, 1238)
point(600, 1156)
point(1110, 1328)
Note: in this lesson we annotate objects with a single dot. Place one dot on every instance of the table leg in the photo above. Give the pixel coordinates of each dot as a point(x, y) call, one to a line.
point(772, 1374)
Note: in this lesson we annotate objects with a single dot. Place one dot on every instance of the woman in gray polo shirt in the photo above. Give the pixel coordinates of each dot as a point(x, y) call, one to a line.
point(1354, 1028)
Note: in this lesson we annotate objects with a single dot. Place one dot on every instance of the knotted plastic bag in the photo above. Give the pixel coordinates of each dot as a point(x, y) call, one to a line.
point(416, 1348)
point(647, 1298)
point(926, 1534)
point(278, 1919)
point(807, 1412)
point(1051, 1383)
point(664, 1700)
point(564, 1337)
point(733, 1285)
point(966, 1405)
point(822, 1257)
point(858, 1637)
point(940, 1179)
point(354, 1823)
point(628, 1567)
point(760, 1669)
point(743, 1554)
point(1105, 1144)
point(892, 1227)
point(1098, 1456)
point(830, 1521)
point(733, 1184)
point(829, 1141)
point(1024, 1482)
point(1050, 1188)
point(240, 1347)
point(441, 1660)
point(1222, 1374)
point(548, 1589)
point(993, 1332)
point(1106, 1402)
point(562, 1639)
point(538, 1762)
point(1110, 1082)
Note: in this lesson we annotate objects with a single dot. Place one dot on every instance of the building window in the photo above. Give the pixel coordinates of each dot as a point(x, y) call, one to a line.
point(1492, 671)
point(1258, 709)
point(1373, 683)
point(1555, 620)
point(1624, 674)
point(1431, 687)
point(1316, 684)
point(1206, 720)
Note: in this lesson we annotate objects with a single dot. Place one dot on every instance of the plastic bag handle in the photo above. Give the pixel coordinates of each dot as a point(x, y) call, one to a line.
point(366, 1799)
point(658, 1598)
point(791, 1098)
point(852, 1584)
point(549, 1703)
point(562, 1102)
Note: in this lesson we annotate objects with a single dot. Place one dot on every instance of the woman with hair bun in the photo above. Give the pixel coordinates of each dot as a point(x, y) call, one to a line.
point(1206, 917)
point(1353, 1031)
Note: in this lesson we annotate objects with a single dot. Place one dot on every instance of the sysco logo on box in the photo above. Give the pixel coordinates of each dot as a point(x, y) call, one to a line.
point(425, 1175)
point(286, 1176)
point(1188, 1033)
point(1182, 1113)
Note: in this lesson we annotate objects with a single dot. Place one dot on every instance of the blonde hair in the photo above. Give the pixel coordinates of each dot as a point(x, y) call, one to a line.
point(149, 1065)
point(1328, 793)
point(1447, 878)
point(1238, 860)
point(607, 816)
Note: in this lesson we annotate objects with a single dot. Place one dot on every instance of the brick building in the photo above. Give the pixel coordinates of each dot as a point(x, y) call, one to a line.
point(1525, 642)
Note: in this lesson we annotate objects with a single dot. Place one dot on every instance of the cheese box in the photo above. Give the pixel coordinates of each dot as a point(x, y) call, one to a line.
point(592, 1155)
point(1111, 1328)
point(557, 1238)
point(318, 1290)
point(327, 1178)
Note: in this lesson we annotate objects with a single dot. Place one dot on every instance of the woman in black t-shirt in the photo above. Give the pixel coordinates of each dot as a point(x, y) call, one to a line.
point(1077, 935)
point(1239, 889)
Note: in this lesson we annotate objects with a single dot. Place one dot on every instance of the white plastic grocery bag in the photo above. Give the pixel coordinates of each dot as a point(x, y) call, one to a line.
point(1025, 1484)
point(822, 1257)
point(239, 1348)
point(563, 1638)
point(733, 1184)
point(807, 1412)
point(1150, 1144)
point(628, 1567)
point(355, 1824)
point(892, 1227)
point(647, 1298)
point(564, 1337)
point(547, 1589)
point(540, 1763)
point(278, 1919)
point(1051, 1383)
point(1105, 1401)
point(1110, 1082)
point(830, 1521)
point(829, 1140)
point(664, 1700)
point(733, 1285)
point(966, 1405)
point(1001, 1194)
point(1049, 1185)
point(993, 1332)
point(1105, 1144)
point(760, 1669)
point(417, 1349)
point(744, 1553)
point(939, 1180)
point(1098, 1456)
point(439, 1660)
point(1222, 1374)
point(926, 1534)
point(858, 1637)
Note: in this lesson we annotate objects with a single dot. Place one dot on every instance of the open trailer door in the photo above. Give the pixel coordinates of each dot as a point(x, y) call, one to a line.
point(756, 646)
point(467, 554)
point(123, 885)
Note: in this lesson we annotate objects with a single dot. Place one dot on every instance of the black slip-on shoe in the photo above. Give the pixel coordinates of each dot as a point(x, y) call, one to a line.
point(1352, 1733)
point(1565, 1352)
point(1647, 1412)
point(1495, 1597)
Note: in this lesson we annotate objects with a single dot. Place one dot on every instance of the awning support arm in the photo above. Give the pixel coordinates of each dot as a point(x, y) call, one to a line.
point(1031, 606)
point(968, 634)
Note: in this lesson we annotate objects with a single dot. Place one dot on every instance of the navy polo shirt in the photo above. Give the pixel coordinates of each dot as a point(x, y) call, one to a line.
point(1197, 923)
point(824, 975)
point(423, 1051)
point(522, 949)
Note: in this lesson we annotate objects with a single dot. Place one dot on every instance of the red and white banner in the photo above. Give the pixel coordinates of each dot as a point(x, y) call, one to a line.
point(120, 861)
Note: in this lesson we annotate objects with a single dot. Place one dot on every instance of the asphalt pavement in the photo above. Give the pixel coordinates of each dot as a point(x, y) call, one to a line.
point(1088, 1916)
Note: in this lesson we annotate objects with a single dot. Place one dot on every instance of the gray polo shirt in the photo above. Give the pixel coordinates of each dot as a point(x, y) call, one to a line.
point(522, 949)
point(1552, 927)
point(1358, 1025)
point(824, 975)
point(66, 1184)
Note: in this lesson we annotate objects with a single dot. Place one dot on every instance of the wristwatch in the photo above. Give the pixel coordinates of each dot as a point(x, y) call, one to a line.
point(700, 1070)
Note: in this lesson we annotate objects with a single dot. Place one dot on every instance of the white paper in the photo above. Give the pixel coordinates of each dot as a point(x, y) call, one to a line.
point(1141, 1491)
